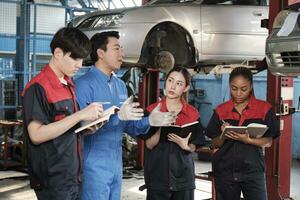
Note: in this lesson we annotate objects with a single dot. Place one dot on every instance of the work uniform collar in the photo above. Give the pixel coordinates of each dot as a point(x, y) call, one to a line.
point(54, 80)
point(164, 108)
point(103, 77)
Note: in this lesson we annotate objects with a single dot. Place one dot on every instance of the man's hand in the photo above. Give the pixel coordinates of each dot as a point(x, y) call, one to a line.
point(158, 118)
point(130, 111)
point(91, 112)
point(91, 130)
point(55, 129)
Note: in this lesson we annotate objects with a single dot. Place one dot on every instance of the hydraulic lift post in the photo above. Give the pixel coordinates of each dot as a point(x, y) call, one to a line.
point(148, 93)
point(278, 157)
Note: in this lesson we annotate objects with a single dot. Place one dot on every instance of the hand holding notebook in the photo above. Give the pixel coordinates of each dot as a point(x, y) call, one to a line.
point(103, 119)
point(255, 130)
point(182, 131)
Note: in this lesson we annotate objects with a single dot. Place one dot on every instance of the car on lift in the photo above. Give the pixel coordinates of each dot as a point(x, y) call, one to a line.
point(283, 44)
point(185, 32)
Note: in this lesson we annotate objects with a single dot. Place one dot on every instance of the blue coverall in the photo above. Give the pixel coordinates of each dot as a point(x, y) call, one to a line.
point(102, 161)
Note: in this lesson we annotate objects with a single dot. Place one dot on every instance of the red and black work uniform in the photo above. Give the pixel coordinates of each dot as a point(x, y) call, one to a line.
point(238, 166)
point(55, 163)
point(169, 170)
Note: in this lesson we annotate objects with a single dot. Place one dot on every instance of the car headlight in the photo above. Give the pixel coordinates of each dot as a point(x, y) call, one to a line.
point(280, 18)
point(108, 20)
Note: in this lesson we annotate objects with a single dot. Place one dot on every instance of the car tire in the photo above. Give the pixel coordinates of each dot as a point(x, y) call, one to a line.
point(164, 60)
point(172, 38)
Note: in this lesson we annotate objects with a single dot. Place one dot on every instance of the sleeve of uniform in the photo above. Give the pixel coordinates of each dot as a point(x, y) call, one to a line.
point(35, 105)
point(213, 128)
point(83, 92)
point(138, 127)
point(273, 123)
point(135, 127)
point(152, 130)
point(198, 139)
point(121, 90)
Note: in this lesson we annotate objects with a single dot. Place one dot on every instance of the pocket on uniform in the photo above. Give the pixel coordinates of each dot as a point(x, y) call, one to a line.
point(179, 164)
point(59, 114)
point(155, 159)
point(59, 117)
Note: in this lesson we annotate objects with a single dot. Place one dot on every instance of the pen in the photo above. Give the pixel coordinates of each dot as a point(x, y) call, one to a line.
point(103, 103)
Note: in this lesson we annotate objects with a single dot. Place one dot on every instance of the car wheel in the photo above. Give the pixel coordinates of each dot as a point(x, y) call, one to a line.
point(172, 38)
point(164, 60)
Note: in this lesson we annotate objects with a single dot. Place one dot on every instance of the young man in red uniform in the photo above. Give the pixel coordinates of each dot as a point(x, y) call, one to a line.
point(50, 118)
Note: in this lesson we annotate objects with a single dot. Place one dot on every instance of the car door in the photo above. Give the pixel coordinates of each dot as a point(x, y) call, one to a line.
point(231, 29)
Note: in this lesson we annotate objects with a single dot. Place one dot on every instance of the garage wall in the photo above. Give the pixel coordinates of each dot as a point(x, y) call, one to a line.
point(217, 91)
point(8, 16)
point(48, 20)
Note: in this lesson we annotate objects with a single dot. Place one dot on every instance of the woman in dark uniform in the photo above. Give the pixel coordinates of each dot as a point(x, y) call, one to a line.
point(238, 164)
point(169, 167)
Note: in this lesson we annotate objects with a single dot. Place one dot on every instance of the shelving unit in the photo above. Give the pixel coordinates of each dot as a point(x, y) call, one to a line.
point(7, 159)
point(8, 99)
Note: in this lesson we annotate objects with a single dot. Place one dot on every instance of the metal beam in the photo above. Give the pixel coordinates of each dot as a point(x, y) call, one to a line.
point(101, 3)
point(82, 3)
point(134, 2)
point(64, 2)
point(88, 3)
point(22, 45)
point(112, 2)
point(278, 157)
point(145, 1)
point(122, 4)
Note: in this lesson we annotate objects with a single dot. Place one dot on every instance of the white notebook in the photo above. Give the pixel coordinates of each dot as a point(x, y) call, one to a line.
point(255, 130)
point(103, 119)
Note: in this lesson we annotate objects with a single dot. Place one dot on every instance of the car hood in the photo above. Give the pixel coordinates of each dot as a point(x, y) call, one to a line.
point(77, 20)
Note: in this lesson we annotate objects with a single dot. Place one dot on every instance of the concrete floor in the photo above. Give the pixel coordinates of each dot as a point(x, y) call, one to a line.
point(15, 185)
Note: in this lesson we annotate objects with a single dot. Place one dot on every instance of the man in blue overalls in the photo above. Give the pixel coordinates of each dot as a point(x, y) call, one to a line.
point(103, 151)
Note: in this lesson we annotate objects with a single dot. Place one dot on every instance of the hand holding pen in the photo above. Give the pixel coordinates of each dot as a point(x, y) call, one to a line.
point(217, 142)
point(224, 123)
point(92, 112)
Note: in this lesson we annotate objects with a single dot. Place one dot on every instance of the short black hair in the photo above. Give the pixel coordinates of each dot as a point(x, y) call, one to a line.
point(100, 41)
point(241, 71)
point(72, 40)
